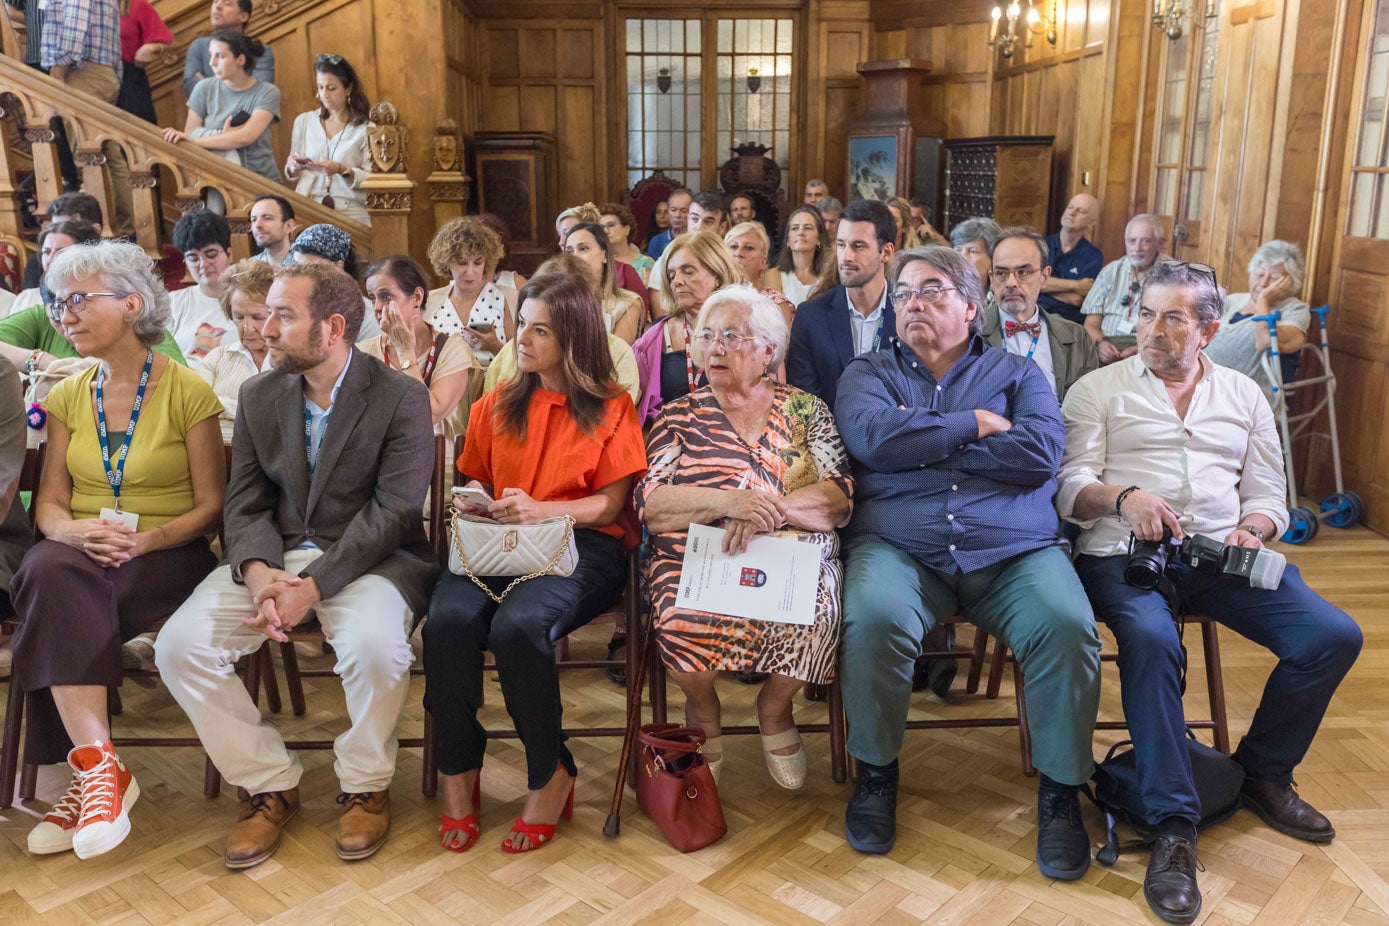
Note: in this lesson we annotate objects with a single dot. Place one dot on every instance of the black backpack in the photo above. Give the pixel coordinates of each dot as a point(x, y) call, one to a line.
point(1116, 793)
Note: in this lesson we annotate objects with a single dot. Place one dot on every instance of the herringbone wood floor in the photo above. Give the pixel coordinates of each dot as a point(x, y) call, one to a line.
point(963, 855)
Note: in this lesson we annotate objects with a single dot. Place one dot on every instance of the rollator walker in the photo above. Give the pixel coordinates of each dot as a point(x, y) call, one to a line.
point(1342, 508)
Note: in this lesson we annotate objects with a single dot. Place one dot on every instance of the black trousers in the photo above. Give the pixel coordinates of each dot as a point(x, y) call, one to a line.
point(521, 631)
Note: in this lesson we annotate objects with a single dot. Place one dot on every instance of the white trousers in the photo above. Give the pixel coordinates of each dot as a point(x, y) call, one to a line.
point(366, 623)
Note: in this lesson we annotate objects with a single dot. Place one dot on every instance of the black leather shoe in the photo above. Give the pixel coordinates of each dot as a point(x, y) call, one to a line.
point(870, 820)
point(1170, 885)
point(751, 678)
point(935, 674)
point(1281, 808)
point(1063, 846)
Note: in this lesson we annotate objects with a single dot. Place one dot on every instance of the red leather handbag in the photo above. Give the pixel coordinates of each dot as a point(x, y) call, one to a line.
point(676, 788)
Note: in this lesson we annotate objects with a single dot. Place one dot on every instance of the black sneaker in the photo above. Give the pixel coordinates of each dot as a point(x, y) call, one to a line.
point(1063, 846)
point(870, 820)
point(1170, 884)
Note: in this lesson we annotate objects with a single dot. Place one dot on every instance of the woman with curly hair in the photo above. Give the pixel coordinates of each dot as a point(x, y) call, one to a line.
point(471, 306)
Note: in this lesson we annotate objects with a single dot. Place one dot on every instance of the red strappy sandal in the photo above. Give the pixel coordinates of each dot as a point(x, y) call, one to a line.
point(539, 834)
point(469, 825)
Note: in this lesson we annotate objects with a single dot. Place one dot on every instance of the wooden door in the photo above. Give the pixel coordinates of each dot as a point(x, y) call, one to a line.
point(1359, 284)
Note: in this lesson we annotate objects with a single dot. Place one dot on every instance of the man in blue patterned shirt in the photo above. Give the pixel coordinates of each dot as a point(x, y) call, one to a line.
point(955, 447)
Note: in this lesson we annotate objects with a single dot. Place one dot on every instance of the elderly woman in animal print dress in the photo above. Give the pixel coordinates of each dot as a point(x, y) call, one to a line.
point(753, 456)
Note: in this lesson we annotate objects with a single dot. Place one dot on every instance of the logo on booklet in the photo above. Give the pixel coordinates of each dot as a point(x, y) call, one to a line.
point(752, 578)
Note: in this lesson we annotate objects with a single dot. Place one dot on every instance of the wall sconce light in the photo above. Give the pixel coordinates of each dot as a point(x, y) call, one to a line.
point(1168, 16)
point(663, 80)
point(1033, 22)
point(754, 81)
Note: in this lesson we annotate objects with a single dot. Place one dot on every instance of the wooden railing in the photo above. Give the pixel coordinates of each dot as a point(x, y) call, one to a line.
point(29, 100)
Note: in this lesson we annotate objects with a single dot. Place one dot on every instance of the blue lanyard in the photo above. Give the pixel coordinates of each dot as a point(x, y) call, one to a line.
point(878, 336)
point(117, 476)
point(308, 434)
point(1030, 351)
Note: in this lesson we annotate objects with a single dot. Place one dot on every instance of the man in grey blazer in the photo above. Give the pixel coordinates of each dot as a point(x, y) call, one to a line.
point(331, 459)
point(1013, 322)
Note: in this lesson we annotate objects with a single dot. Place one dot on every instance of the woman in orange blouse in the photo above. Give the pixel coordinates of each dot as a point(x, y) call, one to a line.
point(559, 438)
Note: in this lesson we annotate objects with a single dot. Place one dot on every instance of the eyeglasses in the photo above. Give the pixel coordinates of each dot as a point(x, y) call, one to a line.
point(1001, 274)
point(77, 303)
point(932, 294)
point(1206, 270)
point(328, 59)
point(207, 255)
point(730, 339)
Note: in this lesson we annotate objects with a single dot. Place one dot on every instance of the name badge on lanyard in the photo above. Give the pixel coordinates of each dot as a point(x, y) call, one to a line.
point(115, 475)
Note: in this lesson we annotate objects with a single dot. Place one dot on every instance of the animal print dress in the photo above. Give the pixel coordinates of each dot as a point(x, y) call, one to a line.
point(692, 443)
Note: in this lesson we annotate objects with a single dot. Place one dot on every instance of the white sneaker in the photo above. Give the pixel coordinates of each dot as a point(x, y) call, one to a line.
point(54, 832)
point(108, 792)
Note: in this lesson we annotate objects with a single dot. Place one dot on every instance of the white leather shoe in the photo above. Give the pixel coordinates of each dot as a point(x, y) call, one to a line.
point(787, 771)
point(712, 751)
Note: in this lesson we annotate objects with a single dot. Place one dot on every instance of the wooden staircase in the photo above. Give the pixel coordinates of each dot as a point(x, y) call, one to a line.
point(30, 99)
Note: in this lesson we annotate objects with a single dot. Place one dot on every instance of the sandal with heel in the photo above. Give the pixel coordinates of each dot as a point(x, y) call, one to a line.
point(468, 826)
point(539, 834)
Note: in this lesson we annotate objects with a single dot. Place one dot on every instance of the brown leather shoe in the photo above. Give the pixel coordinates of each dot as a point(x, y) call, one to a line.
point(256, 835)
point(362, 828)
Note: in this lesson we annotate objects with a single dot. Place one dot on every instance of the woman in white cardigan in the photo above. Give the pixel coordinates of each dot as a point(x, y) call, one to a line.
point(329, 157)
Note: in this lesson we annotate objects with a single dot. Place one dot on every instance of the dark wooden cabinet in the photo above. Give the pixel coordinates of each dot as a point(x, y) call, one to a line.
point(1003, 177)
point(517, 181)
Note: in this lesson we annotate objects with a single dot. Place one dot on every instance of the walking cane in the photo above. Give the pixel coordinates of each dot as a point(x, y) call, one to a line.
point(613, 827)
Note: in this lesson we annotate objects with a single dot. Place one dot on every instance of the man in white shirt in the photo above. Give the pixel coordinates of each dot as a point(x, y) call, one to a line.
point(1169, 441)
point(196, 318)
point(1014, 322)
point(272, 227)
point(1111, 306)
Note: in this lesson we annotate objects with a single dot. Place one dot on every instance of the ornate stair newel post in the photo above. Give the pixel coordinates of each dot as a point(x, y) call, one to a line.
point(389, 191)
point(448, 185)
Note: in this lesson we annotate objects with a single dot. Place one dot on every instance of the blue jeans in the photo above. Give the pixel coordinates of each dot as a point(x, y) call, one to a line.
point(1315, 642)
point(1032, 602)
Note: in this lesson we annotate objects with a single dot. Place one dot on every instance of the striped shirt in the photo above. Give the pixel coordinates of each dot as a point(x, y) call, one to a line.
point(925, 481)
point(76, 32)
point(1116, 295)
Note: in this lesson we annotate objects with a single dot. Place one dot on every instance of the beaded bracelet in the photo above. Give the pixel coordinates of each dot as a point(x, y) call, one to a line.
point(1119, 502)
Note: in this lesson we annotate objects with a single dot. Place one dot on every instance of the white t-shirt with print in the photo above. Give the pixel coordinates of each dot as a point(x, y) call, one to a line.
point(198, 325)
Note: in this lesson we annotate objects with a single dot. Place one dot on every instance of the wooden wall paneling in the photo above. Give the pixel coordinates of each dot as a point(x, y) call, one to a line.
point(1127, 74)
point(502, 112)
point(833, 91)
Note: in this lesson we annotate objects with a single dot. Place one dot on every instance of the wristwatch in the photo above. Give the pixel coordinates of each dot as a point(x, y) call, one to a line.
point(1252, 531)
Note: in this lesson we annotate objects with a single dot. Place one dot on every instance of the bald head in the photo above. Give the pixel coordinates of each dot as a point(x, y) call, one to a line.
point(1081, 213)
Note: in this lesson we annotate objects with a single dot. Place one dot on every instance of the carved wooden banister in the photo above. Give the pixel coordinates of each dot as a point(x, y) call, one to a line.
point(35, 98)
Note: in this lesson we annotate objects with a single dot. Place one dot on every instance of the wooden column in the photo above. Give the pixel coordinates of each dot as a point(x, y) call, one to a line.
point(48, 181)
point(389, 191)
point(448, 185)
point(91, 162)
point(11, 216)
point(145, 194)
point(896, 111)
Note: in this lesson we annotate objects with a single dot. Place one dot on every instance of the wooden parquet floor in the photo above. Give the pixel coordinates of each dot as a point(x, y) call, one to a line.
point(964, 851)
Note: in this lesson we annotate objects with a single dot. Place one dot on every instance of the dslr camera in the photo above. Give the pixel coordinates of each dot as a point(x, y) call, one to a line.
point(1149, 559)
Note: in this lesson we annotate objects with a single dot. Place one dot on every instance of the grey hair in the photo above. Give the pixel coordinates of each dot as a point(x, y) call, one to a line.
point(958, 269)
point(1208, 298)
point(1289, 254)
point(829, 205)
point(753, 228)
point(817, 182)
point(764, 318)
point(974, 229)
point(1025, 233)
point(123, 268)
point(1154, 222)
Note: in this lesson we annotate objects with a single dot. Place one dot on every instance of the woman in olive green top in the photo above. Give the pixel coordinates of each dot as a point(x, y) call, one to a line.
point(132, 487)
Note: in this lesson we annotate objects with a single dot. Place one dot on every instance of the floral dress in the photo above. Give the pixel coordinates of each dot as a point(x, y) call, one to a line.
point(693, 444)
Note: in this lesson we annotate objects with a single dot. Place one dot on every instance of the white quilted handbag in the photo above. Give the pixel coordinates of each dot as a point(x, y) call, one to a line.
point(482, 547)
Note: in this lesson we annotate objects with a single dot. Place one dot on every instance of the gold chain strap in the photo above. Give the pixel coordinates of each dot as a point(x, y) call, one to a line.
point(467, 571)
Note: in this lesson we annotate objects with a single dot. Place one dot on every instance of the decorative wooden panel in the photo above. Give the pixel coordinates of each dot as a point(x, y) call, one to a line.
point(1006, 179)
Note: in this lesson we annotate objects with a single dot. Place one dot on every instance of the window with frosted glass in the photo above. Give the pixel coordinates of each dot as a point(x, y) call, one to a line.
point(1369, 177)
point(663, 99)
point(754, 61)
point(1171, 123)
point(1199, 153)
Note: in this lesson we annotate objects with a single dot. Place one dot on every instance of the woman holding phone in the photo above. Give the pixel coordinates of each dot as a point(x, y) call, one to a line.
point(328, 152)
point(471, 306)
point(231, 112)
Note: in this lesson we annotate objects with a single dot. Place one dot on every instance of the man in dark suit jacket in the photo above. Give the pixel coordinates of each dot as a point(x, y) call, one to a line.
point(331, 459)
point(852, 318)
point(1014, 322)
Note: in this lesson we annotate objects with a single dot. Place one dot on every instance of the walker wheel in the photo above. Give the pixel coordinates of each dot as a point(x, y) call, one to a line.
point(1302, 525)
point(1342, 509)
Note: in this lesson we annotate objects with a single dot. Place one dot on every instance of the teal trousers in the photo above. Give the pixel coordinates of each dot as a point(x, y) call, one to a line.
point(1034, 603)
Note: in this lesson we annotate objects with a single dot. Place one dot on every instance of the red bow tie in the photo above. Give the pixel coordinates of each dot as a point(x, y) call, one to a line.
point(1012, 328)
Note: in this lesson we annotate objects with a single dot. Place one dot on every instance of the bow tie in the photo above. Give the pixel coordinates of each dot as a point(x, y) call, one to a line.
point(1012, 328)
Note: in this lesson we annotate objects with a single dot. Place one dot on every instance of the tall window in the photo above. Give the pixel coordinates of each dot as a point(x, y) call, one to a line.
point(1171, 124)
point(1369, 174)
point(754, 68)
point(664, 70)
point(1184, 130)
point(1198, 151)
point(691, 101)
